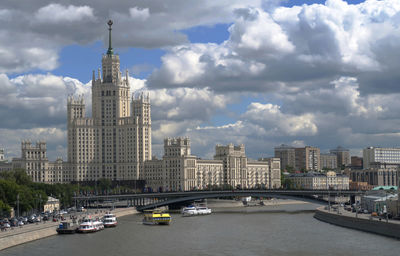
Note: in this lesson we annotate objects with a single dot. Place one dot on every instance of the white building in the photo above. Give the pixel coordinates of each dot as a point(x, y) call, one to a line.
point(180, 170)
point(116, 140)
point(381, 155)
point(320, 181)
point(34, 160)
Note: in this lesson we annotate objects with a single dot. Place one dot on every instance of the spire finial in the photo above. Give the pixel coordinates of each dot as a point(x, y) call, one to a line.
point(110, 49)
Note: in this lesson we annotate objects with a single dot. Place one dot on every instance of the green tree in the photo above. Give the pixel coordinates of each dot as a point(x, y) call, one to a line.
point(5, 209)
point(290, 169)
point(104, 184)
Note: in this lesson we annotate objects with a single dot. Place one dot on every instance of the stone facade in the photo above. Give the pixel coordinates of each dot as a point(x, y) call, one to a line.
point(320, 181)
point(52, 204)
point(179, 170)
point(377, 176)
point(116, 141)
point(34, 160)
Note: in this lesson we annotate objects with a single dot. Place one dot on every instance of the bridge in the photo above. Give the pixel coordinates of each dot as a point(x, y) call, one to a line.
point(144, 201)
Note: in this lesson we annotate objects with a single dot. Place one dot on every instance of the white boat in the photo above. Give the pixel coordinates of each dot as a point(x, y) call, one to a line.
point(98, 224)
point(89, 226)
point(193, 210)
point(110, 220)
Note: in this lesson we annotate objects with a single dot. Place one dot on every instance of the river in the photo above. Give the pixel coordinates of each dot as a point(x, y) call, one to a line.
point(283, 230)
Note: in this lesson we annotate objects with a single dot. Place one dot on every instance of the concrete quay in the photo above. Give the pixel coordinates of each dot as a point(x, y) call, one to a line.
point(363, 222)
point(31, 232)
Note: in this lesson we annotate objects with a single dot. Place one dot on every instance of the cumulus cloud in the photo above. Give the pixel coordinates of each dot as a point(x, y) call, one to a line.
point(323, 74)
point(271, 118)
point(37, 30)
point(140, 14)
point(291, 46)
point(37, 100)
point(55, 13)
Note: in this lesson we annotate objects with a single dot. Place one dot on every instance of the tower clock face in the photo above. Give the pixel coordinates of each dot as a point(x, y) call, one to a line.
point(110, 22)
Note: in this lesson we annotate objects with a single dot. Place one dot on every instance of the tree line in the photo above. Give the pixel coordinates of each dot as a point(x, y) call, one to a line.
point(18, 191)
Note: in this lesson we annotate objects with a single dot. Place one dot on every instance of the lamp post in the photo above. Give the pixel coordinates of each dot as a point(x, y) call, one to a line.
point(40, 202)
point(18, 206)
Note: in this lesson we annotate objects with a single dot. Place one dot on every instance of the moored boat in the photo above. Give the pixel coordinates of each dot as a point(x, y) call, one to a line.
point(110, 220)
point(156, 218)
point(66, 228)
point(89, 226)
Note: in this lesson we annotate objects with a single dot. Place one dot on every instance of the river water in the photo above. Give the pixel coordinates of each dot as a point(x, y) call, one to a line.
point(286, 230)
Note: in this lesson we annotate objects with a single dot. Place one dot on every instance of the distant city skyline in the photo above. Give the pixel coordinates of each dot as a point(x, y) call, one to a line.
point(261, 73)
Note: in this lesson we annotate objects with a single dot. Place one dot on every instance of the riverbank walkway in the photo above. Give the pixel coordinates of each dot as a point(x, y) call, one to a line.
point(19, 235)
point(359, 221)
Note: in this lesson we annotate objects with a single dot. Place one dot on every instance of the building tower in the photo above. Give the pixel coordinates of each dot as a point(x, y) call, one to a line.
point(308, 158)
point(343, 156)
point(116, 140)
point(33, 160)
point(235, 164)
point(287, 156)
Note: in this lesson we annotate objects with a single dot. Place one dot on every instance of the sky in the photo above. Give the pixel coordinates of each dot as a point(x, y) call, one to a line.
point(257, 72)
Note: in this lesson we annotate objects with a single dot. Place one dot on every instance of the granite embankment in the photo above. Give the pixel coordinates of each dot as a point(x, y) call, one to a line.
point(28, 233)
point(361, 222)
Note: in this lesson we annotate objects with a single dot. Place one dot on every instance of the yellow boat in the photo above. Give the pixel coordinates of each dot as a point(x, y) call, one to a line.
point(156, 218)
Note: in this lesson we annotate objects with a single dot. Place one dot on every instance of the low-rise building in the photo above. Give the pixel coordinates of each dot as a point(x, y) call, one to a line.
point(360, 185)
point(378, 175)
point(34, 160)
point(53, 204)
point(5, 166)
point(320, 181)
point(393, 206)
point(376, 201)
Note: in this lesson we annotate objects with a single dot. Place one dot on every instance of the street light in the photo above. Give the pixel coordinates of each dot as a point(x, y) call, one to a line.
point(18, 205)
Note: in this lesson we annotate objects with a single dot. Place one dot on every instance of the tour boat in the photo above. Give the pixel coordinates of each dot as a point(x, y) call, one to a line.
point(156, 218)
point(98, 224)
point(90, 226)
point(110, 220)
point(193, 210)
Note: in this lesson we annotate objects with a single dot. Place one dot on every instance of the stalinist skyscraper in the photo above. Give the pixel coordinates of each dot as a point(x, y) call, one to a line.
point(116, 140)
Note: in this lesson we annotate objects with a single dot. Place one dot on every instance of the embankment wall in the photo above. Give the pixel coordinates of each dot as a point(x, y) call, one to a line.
point(372, 226)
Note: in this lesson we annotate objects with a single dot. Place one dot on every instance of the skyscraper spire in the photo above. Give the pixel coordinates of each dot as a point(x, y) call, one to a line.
point(110, 49)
